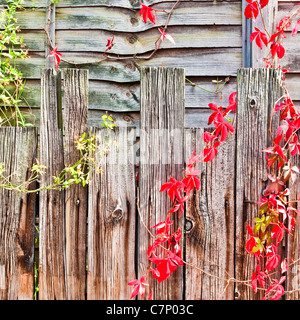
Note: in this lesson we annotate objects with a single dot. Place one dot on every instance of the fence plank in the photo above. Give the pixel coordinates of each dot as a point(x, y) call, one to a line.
point(210, 215)
point(118, 19)
point(17, 213)
point(161, 156)
point(293, 243)
point(51, 206)
point(112, 216)
point(75, 124)
point(257, 89)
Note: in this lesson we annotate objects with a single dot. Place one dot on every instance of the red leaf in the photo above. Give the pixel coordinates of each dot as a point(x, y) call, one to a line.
point(163, 227)
point(232, 102)
point(277, 232)
point(138, 286)
point(296, 28)
point(251, 11)
point(277, 49)
point(260, 38)
point(258, 276)
point(210, 152)
point(148, 13)
point(173, 188)
point(249, 229)
point(277, 288)
point(165, 266)
point(263, 3)
point(208, 137)
point(56, 55)
point(109, 44)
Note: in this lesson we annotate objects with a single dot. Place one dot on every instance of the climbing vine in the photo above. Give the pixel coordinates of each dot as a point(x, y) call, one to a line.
point(12, 83)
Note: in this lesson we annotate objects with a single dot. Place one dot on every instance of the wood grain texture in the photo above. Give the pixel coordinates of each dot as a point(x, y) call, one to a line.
point(125, 97)
point(130, 4)
point(17, 215)
point(52, 284)
point(75, 124)
point(118, 19)
point(136, 43)
point(257, 90)
point(210, 223)
point(112, 216)
point(161, 156)
point(293, 243)
point(214, 62)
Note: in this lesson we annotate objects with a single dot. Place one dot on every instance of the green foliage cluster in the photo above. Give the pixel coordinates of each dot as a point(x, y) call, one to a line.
point(12, 83)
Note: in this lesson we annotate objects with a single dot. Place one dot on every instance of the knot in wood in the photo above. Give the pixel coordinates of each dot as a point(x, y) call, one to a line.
point(253, 102)
point(132, 39)
point(127, 118)
point(117, 214)
point(188, 225)
point(134, 21)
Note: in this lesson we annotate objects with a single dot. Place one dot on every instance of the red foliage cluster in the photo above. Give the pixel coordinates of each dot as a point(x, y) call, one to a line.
point(163, 263)
point(276, 215)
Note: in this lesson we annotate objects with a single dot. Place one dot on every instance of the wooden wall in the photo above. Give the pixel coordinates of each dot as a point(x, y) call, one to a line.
point(209, 45)
point(208, 36)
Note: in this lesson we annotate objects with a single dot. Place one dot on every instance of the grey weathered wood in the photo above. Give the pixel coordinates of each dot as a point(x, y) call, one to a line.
point(51, 207)
point(112, 216)
point(258, 90)
point(50, 27)
point(214, 62)
point(130, 4)
point(161, 156)
point(137, 43)
point(210, 223)
point(269, 15)
point(118, 19)
point(125, 97)
point(293, 243)
point(17, 212)
point(75, 124)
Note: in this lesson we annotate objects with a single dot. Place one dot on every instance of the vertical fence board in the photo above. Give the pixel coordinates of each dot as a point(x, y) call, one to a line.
point(210, 215)
point(161, 156)
point(17, 153)
point(258, 90)
point(51, 206)
point(293, 243)
point(75, 124)
point(112, 216)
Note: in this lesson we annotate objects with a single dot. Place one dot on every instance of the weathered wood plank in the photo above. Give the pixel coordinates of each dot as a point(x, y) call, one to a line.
point(269, 16)
point(257, 90)
point(291, 58)
point(52, 285)
point(75, 124)
point(129, 44)
point(17, 213)
point(126, 97)
point(213, 62)
point(138, 43)
point(209, 224)
point(293, 244)
point(130, 4)
point(112, 216)
point(29, 19)
point(161, 156)
point(117, 19)
point(194, 118)
point(50, 25)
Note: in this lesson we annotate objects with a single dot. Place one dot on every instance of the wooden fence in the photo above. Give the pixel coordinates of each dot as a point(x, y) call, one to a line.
point(92, 240)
